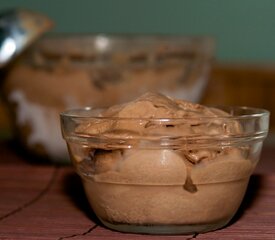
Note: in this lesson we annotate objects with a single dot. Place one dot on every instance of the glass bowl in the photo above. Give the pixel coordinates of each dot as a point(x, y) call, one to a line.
point(164, 181)
point(68, 71)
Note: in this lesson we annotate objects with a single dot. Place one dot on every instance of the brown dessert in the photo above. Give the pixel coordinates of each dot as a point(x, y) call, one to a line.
point(187, 183)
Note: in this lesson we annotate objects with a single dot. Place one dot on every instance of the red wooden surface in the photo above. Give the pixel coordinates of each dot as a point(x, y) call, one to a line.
point(48, 202)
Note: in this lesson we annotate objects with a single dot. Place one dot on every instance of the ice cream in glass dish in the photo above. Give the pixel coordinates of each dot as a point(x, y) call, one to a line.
point(159, 165)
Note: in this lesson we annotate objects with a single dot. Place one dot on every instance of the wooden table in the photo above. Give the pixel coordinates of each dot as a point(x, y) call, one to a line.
point(48, 202)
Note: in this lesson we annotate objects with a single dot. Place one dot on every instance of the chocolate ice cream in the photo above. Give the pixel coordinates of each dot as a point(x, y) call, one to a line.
point(161, 162)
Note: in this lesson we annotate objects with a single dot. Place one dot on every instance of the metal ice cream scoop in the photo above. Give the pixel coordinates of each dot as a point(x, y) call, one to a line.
point(18, 29)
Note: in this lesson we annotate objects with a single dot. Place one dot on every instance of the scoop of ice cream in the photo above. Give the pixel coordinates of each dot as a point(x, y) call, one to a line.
point(138, 117)
point(137, 179)
point(141, 119)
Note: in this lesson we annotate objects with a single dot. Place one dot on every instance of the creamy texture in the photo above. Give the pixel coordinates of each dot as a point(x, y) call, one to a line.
point(152, 106)
point(179, 184)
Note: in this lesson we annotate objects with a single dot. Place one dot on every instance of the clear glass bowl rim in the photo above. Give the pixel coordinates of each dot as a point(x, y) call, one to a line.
point(198, 140)
point(254, 113)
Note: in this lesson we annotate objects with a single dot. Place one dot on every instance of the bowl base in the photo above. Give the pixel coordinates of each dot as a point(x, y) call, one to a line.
point(166, 229)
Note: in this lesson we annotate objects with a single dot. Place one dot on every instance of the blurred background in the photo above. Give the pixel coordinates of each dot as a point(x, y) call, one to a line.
point(244, 30)
point(243, 72)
